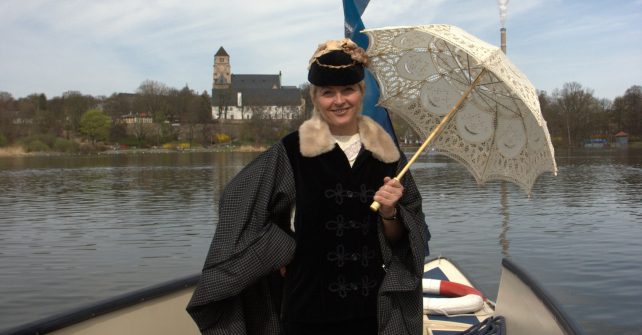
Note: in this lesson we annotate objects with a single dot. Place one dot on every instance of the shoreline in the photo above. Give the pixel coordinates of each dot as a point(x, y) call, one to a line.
point(17, 151)
point(13, 151)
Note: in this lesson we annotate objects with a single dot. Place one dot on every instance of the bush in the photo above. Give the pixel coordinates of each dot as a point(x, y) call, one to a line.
point(63, 145)
point(221, 138)
point(177, 146)
point(3, 140)
point(36, 146)
point(131, 142)
point(47, 139)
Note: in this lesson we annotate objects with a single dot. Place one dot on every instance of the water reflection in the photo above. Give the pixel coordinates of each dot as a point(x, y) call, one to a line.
point(503, 236)
point(77, 229)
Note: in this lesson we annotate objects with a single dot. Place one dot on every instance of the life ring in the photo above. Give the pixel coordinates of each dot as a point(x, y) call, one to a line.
point(462, 299)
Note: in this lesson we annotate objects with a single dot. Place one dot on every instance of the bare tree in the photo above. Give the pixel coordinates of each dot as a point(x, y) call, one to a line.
point(74, 104)
point(627, 111)
point(575, 104)
point(119, 104)
point(151, 99)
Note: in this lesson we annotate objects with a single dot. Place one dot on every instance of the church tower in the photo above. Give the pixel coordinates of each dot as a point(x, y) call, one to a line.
point(222, 70)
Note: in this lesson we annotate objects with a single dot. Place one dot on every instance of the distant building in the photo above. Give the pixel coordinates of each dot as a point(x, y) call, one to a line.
point(242, 96)
point(621, 139)
point(20, 117)
point(137, 118)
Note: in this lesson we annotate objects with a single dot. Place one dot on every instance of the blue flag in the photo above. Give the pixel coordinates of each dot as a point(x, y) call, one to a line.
point(352, 10)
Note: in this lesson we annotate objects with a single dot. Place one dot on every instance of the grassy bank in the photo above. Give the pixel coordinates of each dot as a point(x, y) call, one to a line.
point(18, 151)
point(12, 151)
point(214, 148)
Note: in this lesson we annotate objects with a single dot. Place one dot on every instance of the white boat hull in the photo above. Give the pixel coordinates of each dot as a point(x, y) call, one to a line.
point(160, 310)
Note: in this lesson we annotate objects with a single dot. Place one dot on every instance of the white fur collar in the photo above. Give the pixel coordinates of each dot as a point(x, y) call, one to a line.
point(315, 138)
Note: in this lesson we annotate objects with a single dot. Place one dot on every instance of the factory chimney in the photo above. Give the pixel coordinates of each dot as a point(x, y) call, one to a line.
point(502, 33)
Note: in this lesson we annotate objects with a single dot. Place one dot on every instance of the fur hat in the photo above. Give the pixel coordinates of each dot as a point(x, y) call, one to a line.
point(337, 63)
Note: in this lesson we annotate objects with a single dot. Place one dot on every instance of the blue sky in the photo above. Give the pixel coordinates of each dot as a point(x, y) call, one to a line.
point(102, 47)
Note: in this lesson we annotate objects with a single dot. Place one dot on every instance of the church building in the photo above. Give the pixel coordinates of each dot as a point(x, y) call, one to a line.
point(243, 96)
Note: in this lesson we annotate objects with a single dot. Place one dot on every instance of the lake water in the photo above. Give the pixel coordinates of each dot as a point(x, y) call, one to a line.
point(77, 229)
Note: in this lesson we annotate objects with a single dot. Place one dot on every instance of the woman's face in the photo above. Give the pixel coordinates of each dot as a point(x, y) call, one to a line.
point(340, 106)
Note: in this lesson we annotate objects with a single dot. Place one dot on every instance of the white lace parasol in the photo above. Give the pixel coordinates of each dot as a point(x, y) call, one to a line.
point(497, 132)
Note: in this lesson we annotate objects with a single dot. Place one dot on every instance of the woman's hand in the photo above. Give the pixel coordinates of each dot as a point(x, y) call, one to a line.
point(388, 195)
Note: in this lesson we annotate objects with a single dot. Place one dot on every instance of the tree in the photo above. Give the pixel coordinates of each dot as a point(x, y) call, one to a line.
point(95, 124)
point(119, 104)
point(203, 108)
point(6, 100)
point(305, 95)
point(56, 111)
point(74, 104)
point(627, 111)
point(42, 102)
point(6, 106)
point(222, 99)
point(152, 100)
point(140, 131)
point(576, 104)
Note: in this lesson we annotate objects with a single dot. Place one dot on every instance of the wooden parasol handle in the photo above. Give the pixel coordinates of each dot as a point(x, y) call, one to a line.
point(436, 132)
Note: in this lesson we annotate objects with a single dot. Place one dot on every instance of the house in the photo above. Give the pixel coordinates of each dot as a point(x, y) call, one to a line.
point(621, 139)
point(17, 117)
point(244, 96)
point(137, 118)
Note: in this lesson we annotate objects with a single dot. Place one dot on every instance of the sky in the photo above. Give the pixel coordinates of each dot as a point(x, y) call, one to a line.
point(103, 47)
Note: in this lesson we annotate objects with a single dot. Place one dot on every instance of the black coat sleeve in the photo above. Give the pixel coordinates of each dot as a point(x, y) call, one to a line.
point(400, 299)
point(234, 294)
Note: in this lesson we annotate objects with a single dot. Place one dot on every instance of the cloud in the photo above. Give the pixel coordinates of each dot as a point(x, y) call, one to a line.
point(104, 47)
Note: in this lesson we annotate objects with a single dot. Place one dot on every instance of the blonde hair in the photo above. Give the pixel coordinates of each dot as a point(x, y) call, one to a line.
point(315, 88)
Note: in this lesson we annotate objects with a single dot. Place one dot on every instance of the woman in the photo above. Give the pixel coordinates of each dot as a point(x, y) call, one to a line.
point(339, 268)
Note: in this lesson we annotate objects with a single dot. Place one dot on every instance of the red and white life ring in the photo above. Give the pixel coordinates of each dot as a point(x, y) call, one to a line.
point(462, 298)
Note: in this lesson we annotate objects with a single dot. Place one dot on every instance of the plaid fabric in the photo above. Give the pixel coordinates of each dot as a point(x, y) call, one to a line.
point(236, 293)
point(400, 305)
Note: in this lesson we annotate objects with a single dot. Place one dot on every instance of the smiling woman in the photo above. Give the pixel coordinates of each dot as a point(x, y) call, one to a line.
point(333, 266)
point(339, 106)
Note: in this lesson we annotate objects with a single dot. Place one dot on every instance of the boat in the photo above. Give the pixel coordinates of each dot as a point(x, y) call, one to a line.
point(159, 309)
point(523, 307)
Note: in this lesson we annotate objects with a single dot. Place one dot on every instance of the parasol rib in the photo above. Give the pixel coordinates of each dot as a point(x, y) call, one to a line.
point(440, 127)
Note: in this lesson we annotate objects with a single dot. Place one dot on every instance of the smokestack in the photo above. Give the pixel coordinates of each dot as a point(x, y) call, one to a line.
point(502, 33)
